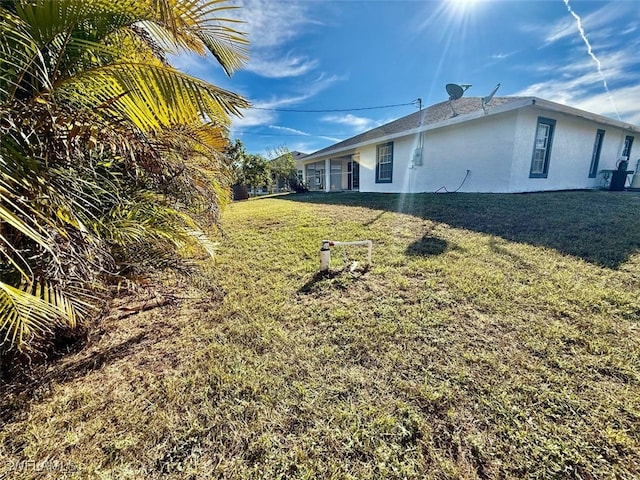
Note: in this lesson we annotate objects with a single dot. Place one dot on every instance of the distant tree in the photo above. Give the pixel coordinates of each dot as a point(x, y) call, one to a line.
point(255, 171)
point(246, 168)
point(283, 168)
point(235, 155)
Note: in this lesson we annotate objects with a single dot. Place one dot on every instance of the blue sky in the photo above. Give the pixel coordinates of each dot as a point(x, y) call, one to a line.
point(342, 54)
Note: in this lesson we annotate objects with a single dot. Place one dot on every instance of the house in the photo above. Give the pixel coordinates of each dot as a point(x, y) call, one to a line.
point(515, 144)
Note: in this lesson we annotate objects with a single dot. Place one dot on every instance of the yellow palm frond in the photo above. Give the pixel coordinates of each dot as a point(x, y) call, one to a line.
point(150, 96)
point(106, 152)
point(34, 309)
point(196, 26)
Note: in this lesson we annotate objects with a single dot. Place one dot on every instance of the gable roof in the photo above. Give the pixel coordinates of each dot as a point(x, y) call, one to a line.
point(467, 108)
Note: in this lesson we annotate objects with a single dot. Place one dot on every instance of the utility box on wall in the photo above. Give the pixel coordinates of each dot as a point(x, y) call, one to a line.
point(417, 156)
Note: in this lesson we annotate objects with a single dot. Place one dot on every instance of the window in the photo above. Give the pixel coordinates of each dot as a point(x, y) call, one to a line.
point(626, 149)
point(542, 148)
point(384, 163)
point(595, 156)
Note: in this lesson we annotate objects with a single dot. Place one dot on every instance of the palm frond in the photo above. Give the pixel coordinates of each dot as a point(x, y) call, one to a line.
point(205, 242)
point(19, 54)
point(8, 214)
point(196, 25)
point(23, 316)
point(150, 96)
point(36, 308)
point(143, 218)
point(107, 154)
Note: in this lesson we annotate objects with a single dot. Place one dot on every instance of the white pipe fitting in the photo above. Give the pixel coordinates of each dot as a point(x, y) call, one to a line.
point(325, 251)
point(325, 256)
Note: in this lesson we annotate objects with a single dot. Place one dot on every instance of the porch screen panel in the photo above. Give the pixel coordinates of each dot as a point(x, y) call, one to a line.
point(336, 175)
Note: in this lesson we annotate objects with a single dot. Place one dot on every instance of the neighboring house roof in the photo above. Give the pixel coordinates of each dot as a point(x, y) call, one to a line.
point(296, 155)
point(440, 115)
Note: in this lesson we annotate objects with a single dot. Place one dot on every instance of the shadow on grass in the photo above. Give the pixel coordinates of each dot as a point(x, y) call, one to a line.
point(427, 246)
point(19, 390)
point(333, 278)
point(602, 228)
point(28, 385)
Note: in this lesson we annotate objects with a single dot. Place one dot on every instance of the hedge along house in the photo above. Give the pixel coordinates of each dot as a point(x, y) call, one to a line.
point(516, 144)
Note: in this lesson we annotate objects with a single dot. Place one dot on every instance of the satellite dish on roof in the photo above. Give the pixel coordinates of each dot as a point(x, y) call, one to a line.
point(487, 99)
point(455, 92)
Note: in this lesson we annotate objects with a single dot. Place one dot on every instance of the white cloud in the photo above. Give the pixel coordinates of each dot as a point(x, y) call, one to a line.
point(264, 112)
point(578, 81)
point(269, 31)
point(580, 85)
point(290, 130)
point(270, 28)
point(357, 123)
point(270, 25)
point(578, 70)
point(281, 67)
point(631, 28)
point(561, 29)
point(305, 147)
point(625, 100)
point(501, 56)
point(303, 134)
point(595, 23)
point(253, 118)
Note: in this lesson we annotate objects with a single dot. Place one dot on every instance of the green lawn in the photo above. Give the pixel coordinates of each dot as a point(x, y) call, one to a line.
point(494, 336)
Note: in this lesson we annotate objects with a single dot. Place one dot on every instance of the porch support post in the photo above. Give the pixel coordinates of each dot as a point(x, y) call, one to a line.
point(327, 175)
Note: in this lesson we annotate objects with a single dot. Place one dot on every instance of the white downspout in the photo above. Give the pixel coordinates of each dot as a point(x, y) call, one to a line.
point(327, 175)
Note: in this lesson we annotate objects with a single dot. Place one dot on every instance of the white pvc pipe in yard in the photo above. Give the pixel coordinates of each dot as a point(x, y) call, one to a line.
point(325, 251)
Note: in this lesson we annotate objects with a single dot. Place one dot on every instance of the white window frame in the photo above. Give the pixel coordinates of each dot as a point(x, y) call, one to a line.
point(595, 156)
point(384, 157)
point(542, 148)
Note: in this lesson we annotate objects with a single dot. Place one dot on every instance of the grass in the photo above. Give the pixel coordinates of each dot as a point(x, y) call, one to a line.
point(494, 336)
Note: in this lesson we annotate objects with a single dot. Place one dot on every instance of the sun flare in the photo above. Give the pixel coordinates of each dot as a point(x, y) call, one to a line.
point(462, 6)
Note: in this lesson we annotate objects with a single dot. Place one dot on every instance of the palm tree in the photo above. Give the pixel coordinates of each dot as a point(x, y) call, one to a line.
point(106, 151)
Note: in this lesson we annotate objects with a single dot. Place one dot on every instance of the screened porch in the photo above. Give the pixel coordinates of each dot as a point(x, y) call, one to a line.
point(335, 174)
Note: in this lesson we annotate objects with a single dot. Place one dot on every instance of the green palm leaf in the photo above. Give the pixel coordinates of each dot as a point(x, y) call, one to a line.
point(109, 158)
point(196, 25)
point(18, 55)
point(23, 316)
point(150, 96)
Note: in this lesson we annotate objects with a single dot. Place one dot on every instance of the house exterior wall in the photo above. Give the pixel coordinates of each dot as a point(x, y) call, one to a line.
point(401, 152)
point(497, 150)
point(483, 146)
point(571, 152)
